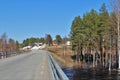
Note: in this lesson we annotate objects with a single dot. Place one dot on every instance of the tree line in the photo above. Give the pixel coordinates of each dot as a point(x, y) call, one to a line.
point(32, 40)
point(95, 33)
point(8, 45)
point(45, 40)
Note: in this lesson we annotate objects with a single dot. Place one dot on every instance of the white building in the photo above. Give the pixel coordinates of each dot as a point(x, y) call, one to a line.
point(26, 48)
point(68, 43)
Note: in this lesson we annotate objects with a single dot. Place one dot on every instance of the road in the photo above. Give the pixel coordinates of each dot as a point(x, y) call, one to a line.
point(29, 66)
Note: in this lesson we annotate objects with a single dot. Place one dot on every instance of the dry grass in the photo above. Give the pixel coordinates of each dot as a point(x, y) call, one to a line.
point(58, 53)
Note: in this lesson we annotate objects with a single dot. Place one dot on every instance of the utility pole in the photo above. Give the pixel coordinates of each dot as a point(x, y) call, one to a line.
point(64, 47)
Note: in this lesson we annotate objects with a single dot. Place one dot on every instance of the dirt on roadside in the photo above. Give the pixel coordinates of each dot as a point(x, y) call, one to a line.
point(62, 55)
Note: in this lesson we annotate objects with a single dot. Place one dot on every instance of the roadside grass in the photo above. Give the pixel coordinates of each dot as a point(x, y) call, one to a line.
point(62, 55)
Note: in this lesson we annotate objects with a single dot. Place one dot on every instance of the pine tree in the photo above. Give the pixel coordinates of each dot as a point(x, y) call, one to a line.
point(17, 45)
point(104, 31)
point(58, 39)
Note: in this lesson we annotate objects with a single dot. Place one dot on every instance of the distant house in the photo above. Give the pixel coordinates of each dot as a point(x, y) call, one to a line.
point(26, 48)
point(68, 43)
point(38, 44)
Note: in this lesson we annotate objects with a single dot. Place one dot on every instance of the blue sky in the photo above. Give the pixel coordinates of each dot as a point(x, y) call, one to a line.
point(21, 19)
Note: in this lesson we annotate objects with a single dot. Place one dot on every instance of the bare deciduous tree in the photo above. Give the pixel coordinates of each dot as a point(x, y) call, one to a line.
point(115, 4)
point(11, 44)
point(4, 42)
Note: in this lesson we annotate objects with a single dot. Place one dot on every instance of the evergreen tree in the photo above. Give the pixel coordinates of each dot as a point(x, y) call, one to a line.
point(48, 39)
point(104, 31)
point(42, 40)
point(58, 39)
point(17, 46)
point(12, 44)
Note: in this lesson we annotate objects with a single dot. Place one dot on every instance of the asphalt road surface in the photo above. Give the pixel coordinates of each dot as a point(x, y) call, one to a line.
point(29, 66)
